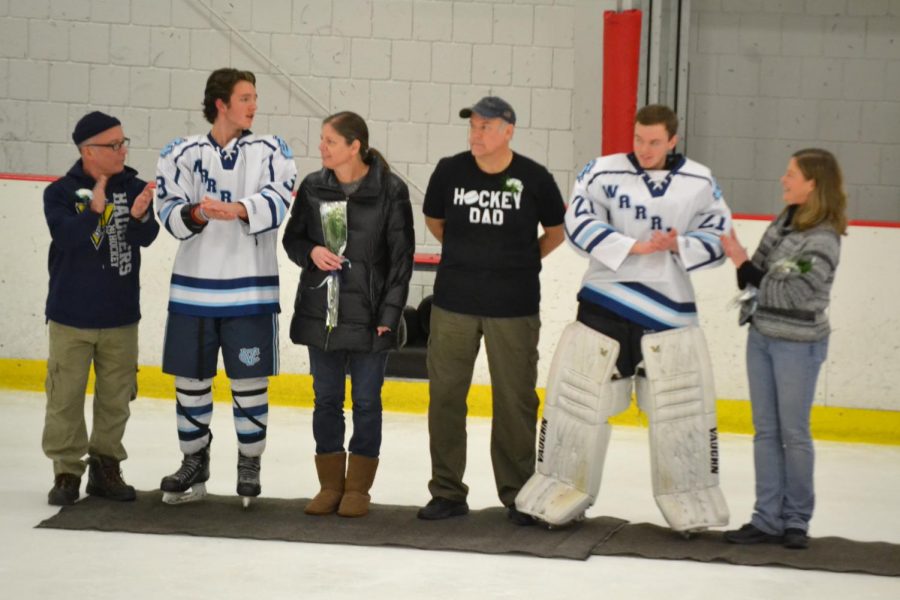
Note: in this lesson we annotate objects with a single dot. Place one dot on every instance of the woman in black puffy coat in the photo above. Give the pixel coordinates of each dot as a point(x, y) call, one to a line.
point(374, 272)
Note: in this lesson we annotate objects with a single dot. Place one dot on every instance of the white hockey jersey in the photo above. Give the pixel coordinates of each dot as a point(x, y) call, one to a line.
point(229, 268)
point(616, 203)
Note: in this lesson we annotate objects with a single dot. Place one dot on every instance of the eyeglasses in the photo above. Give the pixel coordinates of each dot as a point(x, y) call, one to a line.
point(114, 146)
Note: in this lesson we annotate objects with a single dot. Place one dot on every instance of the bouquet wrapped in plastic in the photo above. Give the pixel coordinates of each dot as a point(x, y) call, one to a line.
point(334, 228)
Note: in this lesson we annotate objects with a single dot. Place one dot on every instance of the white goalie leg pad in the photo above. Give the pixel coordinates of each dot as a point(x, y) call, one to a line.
point(679, 399)
point(574, 432)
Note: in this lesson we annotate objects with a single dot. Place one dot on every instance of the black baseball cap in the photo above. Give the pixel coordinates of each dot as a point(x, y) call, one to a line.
point(491, 107)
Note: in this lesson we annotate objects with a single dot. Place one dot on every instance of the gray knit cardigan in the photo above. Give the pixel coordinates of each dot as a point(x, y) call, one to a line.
point(793, 305)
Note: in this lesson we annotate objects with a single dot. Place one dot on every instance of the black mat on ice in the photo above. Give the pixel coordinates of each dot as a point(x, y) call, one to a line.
point(487, 531)
point(824, 554)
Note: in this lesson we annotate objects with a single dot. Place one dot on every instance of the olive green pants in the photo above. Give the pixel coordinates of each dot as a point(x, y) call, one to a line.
point(453, 345)
point(114, 353)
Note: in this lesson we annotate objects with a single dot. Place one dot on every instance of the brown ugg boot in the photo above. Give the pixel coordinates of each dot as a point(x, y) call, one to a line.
point(330, 468)
point(360, 475)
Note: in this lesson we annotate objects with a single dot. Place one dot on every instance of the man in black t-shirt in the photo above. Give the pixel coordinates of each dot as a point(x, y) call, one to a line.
point(484, 206)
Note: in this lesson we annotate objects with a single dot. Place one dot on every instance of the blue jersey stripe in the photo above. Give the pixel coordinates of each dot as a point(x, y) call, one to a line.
point(224, 284)
point(624, 310)
point(599, 239)
point(225, 310)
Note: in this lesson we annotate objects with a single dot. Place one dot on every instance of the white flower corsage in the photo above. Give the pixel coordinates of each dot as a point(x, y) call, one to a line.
point(513, 185)
point(798, 264)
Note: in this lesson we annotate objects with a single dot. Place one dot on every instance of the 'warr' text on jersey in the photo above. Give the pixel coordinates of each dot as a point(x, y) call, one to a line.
point(224, 195)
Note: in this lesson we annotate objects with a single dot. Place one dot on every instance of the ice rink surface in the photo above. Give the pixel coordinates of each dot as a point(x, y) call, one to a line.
point(858, 496)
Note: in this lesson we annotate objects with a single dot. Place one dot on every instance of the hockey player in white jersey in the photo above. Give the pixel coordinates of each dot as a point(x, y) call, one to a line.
point(223, 195)
point(645, 220)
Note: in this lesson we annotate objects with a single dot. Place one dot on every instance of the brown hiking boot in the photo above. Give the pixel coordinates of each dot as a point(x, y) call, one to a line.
point(105, 480)
point(65, 490)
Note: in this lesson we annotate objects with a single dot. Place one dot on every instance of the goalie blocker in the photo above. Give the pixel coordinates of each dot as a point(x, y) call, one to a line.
point(677, 396)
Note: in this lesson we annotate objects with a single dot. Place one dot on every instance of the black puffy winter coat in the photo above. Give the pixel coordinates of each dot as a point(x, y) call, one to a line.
point(380, 247)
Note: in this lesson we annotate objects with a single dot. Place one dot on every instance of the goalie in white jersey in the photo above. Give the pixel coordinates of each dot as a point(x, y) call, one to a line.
point(645, 220)
point(223, 195)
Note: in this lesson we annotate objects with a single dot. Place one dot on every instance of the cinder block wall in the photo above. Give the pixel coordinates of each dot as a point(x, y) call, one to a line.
point(407, 66)
point(768, 77)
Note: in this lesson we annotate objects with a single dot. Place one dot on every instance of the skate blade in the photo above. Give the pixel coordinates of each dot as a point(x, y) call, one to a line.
point(245, 500)
point(197, 491)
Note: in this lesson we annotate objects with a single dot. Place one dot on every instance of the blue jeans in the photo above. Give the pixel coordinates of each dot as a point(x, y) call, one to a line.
point(782, 377)
point(329, 371)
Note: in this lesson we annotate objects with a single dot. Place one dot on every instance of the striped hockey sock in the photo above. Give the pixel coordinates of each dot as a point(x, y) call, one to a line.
point(193, 406)
point(251, 413)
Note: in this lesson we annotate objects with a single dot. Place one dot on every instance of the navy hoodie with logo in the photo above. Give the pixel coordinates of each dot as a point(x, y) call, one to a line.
point(95, 260)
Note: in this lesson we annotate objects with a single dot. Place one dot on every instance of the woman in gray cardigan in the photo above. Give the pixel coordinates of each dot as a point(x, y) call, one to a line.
point(789, 283)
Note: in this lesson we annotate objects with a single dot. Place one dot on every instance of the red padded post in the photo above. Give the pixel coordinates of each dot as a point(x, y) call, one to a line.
point(621, 53)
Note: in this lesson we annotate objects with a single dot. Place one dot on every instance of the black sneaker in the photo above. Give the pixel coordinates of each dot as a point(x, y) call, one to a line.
point(750, 534)
point(518, 517)
point(442, 508)
point(105, 480)
point(795, 539)
point(65, 491)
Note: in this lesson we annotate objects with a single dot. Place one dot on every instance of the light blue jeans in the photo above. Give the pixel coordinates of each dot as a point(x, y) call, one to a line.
point(782, 377)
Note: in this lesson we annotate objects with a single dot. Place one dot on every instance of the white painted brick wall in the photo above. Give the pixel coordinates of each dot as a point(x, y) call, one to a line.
point(411, 60)
point(371, 59)
point(29, 80)
point(390, 100)
point(110, 11)
point(472, 22)
point(433, 21)
point(330, 56)
point(144, 12)
point(37, 9)
point(451, 62)
point(770, 77)
point(168, 47)
point(73, 10)
point(291, 51)
point(392, 19)
point(350, 94)
point(311, 16)
point(14, 33)
point(352, 18)
point(492, 64)
point(271, 16)
point(4, 77)
point(69, 82)
point(430, 102)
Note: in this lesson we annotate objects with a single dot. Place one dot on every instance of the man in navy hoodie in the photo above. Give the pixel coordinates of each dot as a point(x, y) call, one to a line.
point(99, 218)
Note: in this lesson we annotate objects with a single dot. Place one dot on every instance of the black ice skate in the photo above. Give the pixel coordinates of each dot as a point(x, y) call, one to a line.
point(193, 474)
point(248, 478)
